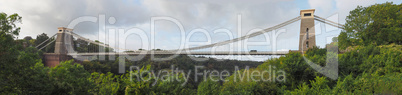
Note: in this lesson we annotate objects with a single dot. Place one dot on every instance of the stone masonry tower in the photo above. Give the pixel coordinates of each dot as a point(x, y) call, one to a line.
point(63, 41)
point(60, 47)
point(307, 30)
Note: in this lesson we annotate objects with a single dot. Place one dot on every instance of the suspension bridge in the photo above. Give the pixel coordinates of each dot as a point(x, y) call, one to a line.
point(64, 47)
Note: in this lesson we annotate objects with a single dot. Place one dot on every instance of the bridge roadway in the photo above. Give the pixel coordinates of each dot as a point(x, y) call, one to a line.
point(185, 53)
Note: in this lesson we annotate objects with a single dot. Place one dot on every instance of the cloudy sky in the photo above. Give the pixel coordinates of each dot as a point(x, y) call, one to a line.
point(218, 19)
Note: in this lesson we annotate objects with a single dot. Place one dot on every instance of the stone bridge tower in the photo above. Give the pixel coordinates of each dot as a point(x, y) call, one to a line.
point(307, 30)
point(63, 41)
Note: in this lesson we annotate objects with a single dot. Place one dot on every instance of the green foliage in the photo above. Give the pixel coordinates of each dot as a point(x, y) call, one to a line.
point(31, 76)
point(84, 46)
point(173, 85)
point(363, 70)
point(209, 87)
point(150, 85)
point(134, 85)
point(70, 78)
point(8, 48)
point(365, 84)
point(296, 68)
point(8, 24)
point(379, 84)
point(318, 86)
point(105, 83)
point(97, 67)
point(377, 24)
point(26, 75)
point(238, 87)
point(371, 59)
point(21, 70)
point(41, 38)
point(243, 82)
point(81, 45)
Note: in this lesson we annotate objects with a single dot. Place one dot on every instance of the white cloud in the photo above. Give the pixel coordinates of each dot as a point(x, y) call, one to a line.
point(344, 6)
point(323, 6)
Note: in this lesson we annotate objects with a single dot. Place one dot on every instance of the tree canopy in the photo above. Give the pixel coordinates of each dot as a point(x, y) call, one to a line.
point(377, 24)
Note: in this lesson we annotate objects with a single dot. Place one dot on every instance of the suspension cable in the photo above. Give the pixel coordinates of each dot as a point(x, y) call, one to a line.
point(97, 43)
point(323, 20)
point(341, 27)
point(47, 44)
point(227, 41)
point(243, 37)
point(45, 40)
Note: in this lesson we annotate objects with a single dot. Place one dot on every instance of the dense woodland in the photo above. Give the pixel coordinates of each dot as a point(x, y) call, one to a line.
point(370, 62)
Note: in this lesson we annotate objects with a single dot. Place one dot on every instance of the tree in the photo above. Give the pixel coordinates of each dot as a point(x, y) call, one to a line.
point(209, 87)
point(28, 41)
point(21, 70)
point(7, 24)
point(30, 75)
point(93, 47)
point(84, 46)
point(105, 83)
point(377, 24)
point(41, 38)
point(318, 86)
point(135, 85)
point(8, 51)
point(81, 45)
point(70, 78)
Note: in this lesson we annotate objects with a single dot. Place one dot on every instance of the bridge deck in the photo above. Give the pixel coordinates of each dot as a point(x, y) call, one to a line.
point(184, 53)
